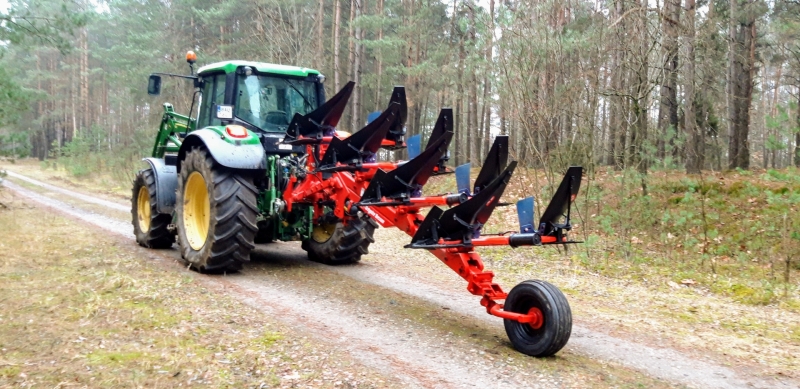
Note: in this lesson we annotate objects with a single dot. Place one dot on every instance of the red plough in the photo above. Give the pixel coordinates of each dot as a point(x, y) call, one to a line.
point(343, 181)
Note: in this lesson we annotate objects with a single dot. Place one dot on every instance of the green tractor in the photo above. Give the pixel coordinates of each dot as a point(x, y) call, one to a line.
point(215, 181)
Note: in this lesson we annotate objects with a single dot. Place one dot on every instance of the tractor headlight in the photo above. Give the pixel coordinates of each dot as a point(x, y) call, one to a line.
point(321, 78)
point(248, 71)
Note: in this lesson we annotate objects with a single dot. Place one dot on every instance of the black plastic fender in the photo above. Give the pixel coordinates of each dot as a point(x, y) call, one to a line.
point(166, 183)
point(234, 156)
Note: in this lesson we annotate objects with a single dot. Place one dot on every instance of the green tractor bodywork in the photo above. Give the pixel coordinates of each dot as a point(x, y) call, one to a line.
point(172, 123)
point(263, 98)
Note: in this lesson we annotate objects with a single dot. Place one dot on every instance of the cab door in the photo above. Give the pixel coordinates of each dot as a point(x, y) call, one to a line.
point(213, 94)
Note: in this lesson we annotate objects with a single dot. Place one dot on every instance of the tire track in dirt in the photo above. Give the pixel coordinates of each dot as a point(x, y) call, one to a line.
point(89, 199)
point(663, 363)
point(107, 223)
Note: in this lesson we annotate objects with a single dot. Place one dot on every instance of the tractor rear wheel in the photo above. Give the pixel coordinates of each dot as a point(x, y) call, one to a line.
point(149, 226)
point(339, 244)
point(216, 214)
point(554, 331)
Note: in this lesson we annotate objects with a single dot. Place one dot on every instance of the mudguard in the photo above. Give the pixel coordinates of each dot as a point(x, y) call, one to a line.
point(236, 155)
point(166, 183)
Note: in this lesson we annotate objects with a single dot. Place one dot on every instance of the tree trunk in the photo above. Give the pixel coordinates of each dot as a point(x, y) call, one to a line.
point(459, 130)
point(740, 89)
point(319, 59)
point(797, 134)
point(774, 113)
point(640, 88)
point(617, 131)
point(379, 65)
point(487, 84)
point(472, 110)
point(84, 74)
point(694, 137)
point(336, 28)
point(668, 108)
point(350, 41)
point(356, 120)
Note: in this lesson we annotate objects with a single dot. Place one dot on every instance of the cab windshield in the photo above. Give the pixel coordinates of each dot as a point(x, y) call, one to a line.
point(270, 102)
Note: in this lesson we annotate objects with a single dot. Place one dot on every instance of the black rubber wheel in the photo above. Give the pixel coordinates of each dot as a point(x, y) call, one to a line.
point(264, 234)
point(149, 226)
point(216, 209)
point(557, 327)
point(339, 244)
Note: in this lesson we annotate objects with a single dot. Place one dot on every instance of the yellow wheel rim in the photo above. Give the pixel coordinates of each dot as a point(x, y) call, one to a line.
point(322, 232)
point(143, 209)
point(196, 210)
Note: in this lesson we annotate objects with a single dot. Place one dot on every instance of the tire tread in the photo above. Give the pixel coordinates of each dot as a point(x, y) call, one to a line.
point(233, 213)
point(159, 236)
point(347, 244)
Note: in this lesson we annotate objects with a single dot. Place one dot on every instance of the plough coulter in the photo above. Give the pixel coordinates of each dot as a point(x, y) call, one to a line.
point(263, 161)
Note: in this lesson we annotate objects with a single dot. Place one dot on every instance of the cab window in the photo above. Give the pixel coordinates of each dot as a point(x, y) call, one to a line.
point(213, 94)
point(270, 102)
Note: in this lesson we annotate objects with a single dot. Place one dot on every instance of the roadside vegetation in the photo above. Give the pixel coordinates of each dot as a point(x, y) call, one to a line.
point(735, 234)
point(82, 309)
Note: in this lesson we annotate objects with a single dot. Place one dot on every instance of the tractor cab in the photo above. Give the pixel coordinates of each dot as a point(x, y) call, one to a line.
point(242, 102)
point(259, 96)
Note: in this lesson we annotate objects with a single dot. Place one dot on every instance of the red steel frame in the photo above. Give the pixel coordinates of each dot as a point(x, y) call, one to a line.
point(345, 188)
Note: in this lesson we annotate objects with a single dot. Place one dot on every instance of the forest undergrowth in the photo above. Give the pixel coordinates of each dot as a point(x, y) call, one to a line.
point(735, 234)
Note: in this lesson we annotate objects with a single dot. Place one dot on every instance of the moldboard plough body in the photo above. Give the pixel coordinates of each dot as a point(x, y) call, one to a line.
point(328, 189)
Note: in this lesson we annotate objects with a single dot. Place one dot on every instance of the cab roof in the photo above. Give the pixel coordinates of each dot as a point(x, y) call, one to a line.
point(262, 67)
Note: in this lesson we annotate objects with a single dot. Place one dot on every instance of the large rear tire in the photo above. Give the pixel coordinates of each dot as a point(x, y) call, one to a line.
point(556, 327)
point(339, 244)
point(216, 214)
point(149, 226)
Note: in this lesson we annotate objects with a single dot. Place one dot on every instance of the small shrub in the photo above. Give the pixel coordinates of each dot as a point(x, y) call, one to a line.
point(735, 188)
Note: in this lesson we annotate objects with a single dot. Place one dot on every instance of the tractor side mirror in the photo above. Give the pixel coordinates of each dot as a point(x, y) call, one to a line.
point(154, 85)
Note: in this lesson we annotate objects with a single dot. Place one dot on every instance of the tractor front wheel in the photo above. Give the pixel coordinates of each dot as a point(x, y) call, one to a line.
point(149, 226)
point(339, 244)
point(216, 214)
point(550, 335)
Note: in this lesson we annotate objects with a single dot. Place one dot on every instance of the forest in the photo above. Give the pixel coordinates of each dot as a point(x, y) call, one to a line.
point(627, 84)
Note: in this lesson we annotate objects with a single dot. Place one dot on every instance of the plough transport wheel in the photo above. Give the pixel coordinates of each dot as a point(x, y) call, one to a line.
point(548, 336)
point(216, 214)
point(149, 226)
point(339, 244)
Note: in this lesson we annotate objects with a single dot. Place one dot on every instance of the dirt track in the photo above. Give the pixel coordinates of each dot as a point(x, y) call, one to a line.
point(423, 353)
